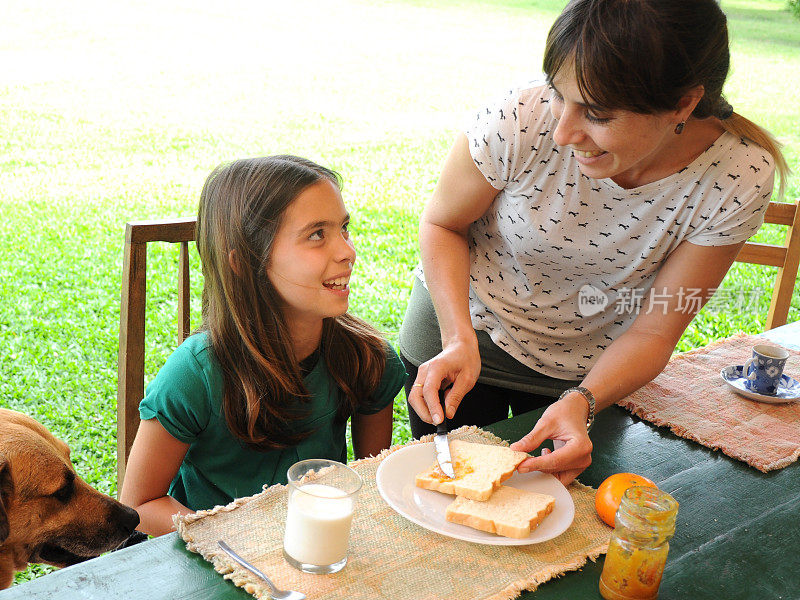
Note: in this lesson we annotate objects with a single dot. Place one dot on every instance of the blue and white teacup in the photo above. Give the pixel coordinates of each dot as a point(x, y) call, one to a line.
point(763, 371)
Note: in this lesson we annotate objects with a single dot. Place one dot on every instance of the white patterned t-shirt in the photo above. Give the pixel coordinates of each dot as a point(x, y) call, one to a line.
point(552, 231)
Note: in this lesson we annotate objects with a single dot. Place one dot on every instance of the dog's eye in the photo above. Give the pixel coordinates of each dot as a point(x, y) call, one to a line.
point(64, 493)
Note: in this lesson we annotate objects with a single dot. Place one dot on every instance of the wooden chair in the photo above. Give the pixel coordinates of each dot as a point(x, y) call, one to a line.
point(130, 383)
point(785, 257)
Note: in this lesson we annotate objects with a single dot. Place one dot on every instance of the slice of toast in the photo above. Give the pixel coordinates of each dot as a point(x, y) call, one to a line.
point(479, 469)
point(509, 512)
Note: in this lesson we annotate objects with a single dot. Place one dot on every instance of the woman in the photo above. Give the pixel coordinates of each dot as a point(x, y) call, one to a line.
point(579, 225)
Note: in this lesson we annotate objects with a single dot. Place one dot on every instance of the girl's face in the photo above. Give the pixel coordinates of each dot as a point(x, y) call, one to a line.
point(312, 257)
point(628, 147)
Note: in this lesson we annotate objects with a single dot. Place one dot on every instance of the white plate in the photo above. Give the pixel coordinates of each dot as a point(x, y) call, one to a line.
point(788, 390)
point(395, 478)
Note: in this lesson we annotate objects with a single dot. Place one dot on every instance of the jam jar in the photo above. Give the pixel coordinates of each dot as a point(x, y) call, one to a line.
point(637, 552)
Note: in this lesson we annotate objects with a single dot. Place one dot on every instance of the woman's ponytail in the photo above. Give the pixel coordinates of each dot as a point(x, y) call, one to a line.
point(744, 128)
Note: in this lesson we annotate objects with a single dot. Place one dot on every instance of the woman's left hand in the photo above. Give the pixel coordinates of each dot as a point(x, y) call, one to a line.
point(564, 422)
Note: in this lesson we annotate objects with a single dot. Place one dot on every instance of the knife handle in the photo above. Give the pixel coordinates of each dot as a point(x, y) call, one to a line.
point(442, 427)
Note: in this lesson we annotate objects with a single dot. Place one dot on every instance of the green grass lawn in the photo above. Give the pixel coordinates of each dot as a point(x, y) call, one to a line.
point(116, 114)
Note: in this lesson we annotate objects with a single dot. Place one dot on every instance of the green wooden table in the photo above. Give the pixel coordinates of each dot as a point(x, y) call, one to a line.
point(737, 532)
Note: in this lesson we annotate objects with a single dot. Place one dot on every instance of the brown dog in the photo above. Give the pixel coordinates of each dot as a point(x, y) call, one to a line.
point(47, 513)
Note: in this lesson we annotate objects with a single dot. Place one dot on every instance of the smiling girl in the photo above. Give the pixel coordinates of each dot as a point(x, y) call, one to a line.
point(581, 222)
point(278, 366)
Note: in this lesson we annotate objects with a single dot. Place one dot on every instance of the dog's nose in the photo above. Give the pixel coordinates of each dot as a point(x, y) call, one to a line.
point(127, 518)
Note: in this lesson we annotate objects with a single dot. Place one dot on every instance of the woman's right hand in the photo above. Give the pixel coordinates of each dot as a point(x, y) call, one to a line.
point(461, 197)
point(459, 364)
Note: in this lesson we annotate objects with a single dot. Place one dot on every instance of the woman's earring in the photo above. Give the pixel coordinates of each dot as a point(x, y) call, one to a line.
point(679, 127)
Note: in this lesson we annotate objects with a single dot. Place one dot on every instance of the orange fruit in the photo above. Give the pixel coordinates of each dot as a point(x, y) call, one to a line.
point(609, 494)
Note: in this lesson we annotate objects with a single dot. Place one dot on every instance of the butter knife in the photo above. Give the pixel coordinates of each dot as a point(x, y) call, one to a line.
point(443, 445)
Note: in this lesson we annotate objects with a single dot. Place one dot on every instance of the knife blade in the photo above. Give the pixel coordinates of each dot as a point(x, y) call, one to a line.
point(442, 445)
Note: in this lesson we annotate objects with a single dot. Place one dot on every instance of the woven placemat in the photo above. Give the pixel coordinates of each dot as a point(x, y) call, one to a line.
point(691, 398)
point(391, 557)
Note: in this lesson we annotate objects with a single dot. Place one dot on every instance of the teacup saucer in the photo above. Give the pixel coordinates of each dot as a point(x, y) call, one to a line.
point(788, 390)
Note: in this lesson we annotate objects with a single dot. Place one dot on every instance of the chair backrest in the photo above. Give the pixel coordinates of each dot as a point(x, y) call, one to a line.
point(785, 257)
point(130, 383)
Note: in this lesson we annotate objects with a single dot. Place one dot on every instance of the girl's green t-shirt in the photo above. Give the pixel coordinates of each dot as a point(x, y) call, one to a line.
point(186, 398)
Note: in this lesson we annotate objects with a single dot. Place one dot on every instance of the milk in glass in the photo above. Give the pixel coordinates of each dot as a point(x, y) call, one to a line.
point(318, 524)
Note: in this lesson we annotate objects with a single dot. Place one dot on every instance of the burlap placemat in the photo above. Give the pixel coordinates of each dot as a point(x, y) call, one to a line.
point(391, 557)
point(691, 398)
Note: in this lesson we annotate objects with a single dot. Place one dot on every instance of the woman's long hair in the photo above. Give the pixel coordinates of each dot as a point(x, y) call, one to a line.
point(241, 208)
point(644, 55)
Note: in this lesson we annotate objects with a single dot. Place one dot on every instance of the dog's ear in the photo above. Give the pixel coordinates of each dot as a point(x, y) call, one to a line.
point(5, 490)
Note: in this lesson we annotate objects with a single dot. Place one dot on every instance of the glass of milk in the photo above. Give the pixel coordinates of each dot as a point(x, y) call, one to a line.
point(321, 499)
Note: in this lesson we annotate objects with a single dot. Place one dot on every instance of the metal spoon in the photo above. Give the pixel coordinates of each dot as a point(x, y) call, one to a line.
point(274, 591)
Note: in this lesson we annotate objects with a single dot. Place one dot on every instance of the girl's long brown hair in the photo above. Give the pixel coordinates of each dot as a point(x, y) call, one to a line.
point(644, 55)
point(241, 207)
